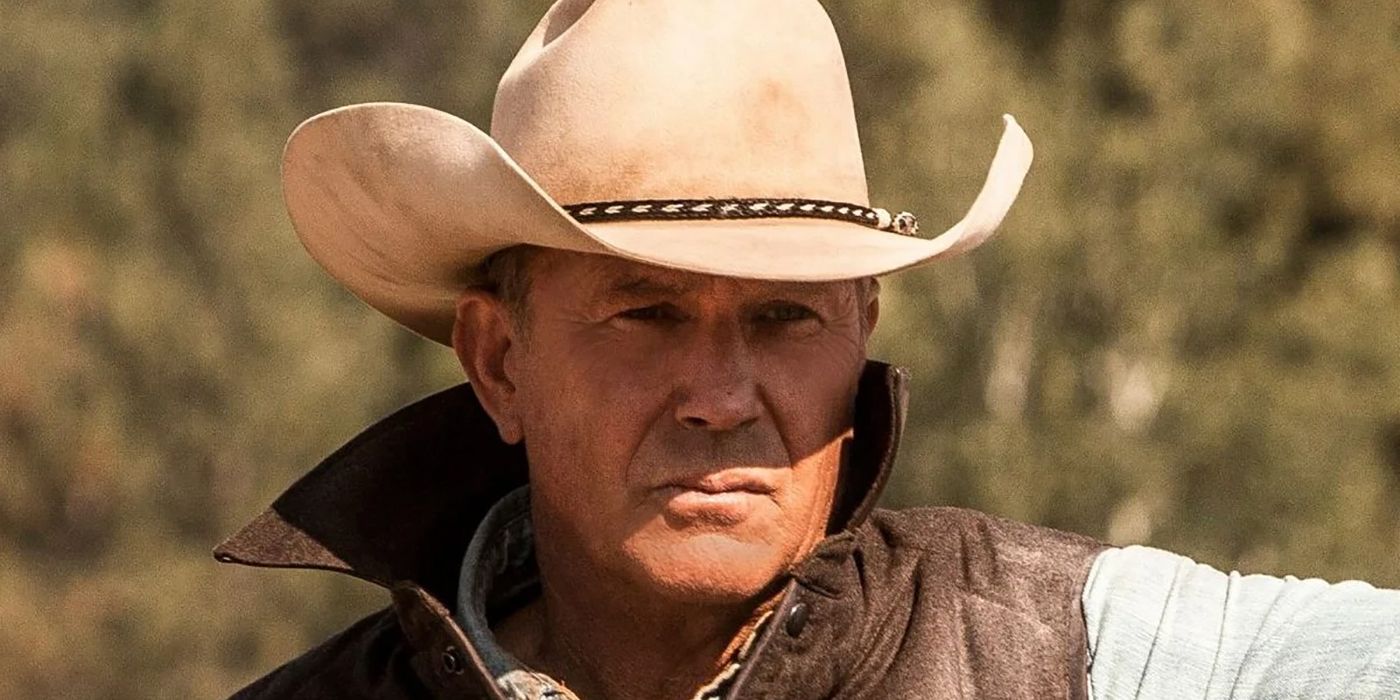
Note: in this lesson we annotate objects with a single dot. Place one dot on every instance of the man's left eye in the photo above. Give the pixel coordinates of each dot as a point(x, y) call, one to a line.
point(787, 313)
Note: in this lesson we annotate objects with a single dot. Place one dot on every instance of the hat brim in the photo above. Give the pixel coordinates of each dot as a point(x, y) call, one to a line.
point(401, 204)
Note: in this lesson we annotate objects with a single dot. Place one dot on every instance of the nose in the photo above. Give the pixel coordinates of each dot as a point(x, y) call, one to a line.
point(718, 389)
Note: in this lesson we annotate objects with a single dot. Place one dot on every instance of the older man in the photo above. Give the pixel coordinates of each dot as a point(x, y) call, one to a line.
point(660, 482)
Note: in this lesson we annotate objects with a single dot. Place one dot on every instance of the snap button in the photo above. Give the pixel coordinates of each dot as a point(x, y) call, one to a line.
point(452, 661)
point(796, 619)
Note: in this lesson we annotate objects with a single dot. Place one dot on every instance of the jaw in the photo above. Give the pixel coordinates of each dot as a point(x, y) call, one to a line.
point(705, 566)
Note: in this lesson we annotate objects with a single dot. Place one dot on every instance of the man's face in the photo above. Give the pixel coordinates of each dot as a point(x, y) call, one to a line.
point(684, 431)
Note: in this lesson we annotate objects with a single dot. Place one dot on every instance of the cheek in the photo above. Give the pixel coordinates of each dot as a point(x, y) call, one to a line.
point(583, 414)
point(811, 396)
point(812, 491)
point(588, 404)
point(595, 370)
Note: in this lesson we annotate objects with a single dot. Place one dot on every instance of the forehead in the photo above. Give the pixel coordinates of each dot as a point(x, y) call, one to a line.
point(585, 277)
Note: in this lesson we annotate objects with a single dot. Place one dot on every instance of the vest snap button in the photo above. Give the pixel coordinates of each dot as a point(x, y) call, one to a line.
point(796, 619)
point(452, 661)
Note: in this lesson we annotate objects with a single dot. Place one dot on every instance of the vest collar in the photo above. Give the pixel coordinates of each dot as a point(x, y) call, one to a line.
point(400, 501)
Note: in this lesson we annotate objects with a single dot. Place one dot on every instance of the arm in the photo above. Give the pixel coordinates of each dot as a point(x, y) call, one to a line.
point(1163, 626)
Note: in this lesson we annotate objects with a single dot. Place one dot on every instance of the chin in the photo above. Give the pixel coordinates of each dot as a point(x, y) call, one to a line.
point(712, 568)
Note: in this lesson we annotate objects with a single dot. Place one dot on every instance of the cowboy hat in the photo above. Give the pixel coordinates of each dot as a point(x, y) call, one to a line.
point(715, 136)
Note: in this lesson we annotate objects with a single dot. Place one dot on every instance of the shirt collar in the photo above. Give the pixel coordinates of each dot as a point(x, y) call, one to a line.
point(401, 500)
point(498, 574)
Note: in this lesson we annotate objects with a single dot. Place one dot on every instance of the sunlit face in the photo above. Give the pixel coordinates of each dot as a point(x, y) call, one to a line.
point(683, 430)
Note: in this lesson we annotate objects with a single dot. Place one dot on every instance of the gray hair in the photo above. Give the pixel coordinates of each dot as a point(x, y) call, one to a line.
point(506, 274)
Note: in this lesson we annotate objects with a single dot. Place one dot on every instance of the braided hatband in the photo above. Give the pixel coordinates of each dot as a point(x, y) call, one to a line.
point(691, 209)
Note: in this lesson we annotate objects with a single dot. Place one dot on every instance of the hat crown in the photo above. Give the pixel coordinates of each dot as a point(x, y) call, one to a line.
point(661, 99)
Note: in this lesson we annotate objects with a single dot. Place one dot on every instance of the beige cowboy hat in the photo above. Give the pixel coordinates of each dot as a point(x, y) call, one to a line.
point(716, 136)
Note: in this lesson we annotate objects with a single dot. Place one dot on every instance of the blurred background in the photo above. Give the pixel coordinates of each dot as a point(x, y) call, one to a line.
point(1188, 334)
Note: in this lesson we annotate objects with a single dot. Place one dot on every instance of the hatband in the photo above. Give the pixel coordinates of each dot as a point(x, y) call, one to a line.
point(902, 223)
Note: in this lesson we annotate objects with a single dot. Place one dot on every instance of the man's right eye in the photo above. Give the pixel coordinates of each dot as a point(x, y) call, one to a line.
point(655, 312)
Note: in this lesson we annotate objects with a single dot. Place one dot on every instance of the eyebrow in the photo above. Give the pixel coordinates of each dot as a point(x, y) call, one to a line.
point(642, 286)
point(646, 287)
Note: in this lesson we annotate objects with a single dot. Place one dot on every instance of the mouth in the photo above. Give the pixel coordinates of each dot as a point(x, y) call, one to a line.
point(720, 499)
point(737, 481)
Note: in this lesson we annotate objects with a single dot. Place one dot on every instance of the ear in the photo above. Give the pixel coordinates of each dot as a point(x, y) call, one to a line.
point(872, 306)
point(482, 336)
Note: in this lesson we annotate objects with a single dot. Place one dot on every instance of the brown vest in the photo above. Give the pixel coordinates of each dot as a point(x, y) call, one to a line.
point(919, 603)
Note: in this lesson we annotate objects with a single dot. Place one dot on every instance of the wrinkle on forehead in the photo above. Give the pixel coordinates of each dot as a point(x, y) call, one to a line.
point(600, 278)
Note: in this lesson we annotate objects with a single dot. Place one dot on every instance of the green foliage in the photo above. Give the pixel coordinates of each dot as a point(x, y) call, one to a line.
point(1188, 335)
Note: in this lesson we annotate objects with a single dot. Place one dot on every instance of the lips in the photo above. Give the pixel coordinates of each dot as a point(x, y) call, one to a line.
point(721, 499)
point(728, 481)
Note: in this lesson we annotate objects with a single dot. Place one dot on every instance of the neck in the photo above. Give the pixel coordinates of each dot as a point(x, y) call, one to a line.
point(615, 644)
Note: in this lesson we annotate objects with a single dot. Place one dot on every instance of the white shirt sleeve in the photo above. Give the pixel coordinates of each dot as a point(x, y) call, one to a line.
point(1163, 626)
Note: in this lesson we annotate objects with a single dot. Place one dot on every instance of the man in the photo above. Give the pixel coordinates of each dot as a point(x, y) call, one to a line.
point(658, 274)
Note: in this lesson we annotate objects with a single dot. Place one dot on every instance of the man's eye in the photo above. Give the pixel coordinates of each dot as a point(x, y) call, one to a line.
point(787, 313)
point(655, 312)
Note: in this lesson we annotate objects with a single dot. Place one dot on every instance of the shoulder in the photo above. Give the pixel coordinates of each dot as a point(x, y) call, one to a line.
point(368, 659)
point(970, 534)
point(1001, 595)
point(997, 559)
